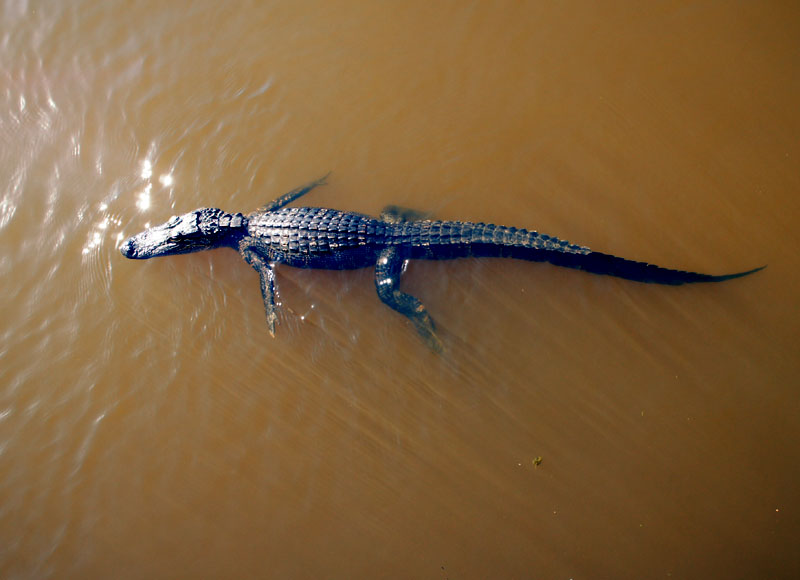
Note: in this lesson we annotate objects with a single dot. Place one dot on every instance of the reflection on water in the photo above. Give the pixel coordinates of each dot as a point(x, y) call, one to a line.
point(148, 422)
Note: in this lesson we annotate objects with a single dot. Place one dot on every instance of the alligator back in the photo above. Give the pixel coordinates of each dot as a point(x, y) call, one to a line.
point(314, 237)
point(440, 240)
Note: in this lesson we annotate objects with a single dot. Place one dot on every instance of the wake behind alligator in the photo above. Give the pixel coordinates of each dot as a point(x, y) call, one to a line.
point(313, 237)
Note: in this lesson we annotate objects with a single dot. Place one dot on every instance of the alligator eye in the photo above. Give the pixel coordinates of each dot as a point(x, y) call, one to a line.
point(173, 221)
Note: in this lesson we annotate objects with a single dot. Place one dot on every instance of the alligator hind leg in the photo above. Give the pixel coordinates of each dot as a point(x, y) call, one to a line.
point(293, 195)
point(395, 214)
point(267, 275)
point(387, 280)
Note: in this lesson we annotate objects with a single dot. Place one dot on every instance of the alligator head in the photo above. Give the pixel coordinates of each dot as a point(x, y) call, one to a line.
point(202, 229)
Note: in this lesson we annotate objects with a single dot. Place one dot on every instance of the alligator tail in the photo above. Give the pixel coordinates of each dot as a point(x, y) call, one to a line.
point(459, 239)
point(488, 240)
point(599, 263)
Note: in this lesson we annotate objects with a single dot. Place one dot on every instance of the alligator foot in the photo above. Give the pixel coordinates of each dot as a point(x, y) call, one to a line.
point(387, 279)
point(267, 275)
point(293, 195)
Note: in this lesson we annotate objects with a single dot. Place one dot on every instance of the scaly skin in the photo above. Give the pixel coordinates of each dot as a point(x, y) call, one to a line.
point(313, 237)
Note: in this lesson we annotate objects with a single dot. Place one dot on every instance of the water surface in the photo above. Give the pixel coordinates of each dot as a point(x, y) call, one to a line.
point(149, 425)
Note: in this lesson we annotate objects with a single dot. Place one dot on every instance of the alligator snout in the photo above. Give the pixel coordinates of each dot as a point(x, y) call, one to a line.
point(128, 248)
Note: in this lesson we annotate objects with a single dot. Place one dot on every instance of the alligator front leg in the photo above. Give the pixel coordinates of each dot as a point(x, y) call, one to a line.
point(387, 280)
point(267, 274)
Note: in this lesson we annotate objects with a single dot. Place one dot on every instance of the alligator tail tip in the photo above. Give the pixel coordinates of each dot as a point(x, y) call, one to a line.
point(738, 274)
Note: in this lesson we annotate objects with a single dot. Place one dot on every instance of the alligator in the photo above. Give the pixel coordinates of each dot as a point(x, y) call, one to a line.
point(314, 237)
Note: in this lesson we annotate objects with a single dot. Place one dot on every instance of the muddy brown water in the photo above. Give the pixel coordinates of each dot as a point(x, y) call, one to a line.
point(576, 426)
